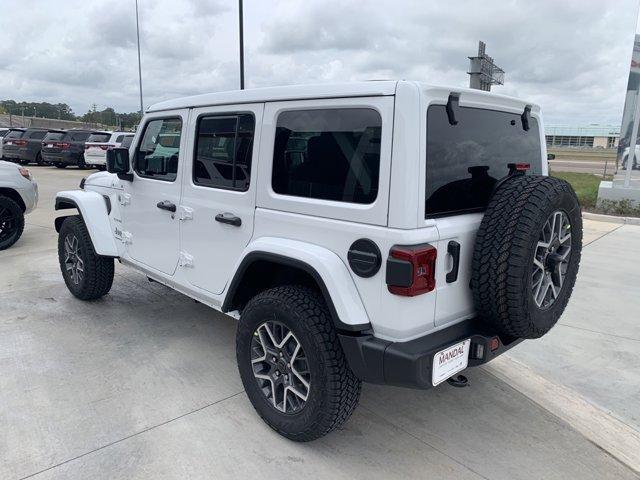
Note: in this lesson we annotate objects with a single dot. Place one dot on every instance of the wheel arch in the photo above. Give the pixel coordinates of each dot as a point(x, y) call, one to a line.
point(94, 212)
point(262, 267)
point(13, 195)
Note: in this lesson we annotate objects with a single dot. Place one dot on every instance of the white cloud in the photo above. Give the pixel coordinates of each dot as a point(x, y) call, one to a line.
point(570, 56)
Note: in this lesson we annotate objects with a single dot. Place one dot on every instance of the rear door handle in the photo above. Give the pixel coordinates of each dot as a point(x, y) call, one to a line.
point(229, 219)
point(453, 249)
point(166, 205)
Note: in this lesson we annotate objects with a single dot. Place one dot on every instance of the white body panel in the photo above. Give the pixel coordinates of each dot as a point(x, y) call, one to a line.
point(10, 178)
point(317, 232)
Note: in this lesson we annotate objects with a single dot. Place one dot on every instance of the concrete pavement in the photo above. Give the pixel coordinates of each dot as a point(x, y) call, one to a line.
point(143, 384)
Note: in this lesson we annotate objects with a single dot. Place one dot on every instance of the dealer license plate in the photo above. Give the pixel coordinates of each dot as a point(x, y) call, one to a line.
point(450, 361)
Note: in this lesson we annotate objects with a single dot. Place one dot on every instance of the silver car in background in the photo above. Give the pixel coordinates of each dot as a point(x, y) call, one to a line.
point(18, 197)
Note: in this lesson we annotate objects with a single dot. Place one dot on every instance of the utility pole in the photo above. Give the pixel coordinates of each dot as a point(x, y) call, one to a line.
point(483, 72)
point(241, 30)
point(139, 62)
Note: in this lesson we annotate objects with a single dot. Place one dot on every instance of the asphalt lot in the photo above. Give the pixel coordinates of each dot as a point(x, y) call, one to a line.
point(143, 384)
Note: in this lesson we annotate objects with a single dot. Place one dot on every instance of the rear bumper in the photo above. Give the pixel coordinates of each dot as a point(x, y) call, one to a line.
point(410, 364)
point(66, 158)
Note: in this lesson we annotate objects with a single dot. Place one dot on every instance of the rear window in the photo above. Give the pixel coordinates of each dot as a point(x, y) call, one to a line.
point(464, 161)
point(15, 134)
point(37, 135)
point(99, 137)
point(53, 136)
point(76, 136)
point(3, 133)
point(331, 154)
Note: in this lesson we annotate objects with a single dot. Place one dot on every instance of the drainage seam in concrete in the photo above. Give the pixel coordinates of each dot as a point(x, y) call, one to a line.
point(102, 447)
point(602, 236)
point(600, 333)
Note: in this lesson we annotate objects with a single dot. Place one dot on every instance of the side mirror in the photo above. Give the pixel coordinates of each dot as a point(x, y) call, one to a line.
point(551, 156)
point(118, 163)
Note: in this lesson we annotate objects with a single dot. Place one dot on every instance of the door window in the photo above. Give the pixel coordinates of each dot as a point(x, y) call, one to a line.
point(224, 146)
point(329, 154)
point(158, 153)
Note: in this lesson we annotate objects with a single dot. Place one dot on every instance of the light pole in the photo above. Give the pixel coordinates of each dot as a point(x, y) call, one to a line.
point(241, 29)
point(139, 63)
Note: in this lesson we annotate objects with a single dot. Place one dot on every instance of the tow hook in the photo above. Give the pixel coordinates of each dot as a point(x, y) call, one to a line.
point(458, 381)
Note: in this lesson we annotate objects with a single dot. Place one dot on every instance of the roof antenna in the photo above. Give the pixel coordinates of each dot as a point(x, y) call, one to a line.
point(452, 106)
point(526, 117)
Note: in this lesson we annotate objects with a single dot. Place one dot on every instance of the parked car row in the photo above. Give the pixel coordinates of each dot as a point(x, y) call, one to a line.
point(61, 148)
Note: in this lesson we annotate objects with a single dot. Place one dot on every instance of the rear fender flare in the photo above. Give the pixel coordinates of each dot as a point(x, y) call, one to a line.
point(93, 210)
point(326, 268)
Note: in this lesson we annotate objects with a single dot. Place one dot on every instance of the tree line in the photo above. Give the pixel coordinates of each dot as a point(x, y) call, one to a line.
point(62, 111)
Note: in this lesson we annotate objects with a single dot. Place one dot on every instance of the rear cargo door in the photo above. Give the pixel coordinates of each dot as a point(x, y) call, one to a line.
point(465, 157)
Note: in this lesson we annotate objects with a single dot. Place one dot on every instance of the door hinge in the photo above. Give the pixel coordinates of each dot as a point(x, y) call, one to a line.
point(127, 238)
point(186, 213)
point(124, 198)
point(185, 260)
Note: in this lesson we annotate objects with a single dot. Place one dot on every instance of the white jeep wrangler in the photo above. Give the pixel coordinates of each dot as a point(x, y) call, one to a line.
point(387, 232)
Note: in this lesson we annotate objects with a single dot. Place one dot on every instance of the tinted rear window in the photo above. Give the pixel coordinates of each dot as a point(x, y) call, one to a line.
point(99, 137)
point(53, 136)
point(14, 134)
point(37, 134)
point(76, 136)
point(464, 161)
point(331, 154)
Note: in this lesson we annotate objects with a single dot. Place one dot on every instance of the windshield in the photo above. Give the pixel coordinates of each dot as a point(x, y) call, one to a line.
point(53, 136)
point(464, 161)
point(99, 137)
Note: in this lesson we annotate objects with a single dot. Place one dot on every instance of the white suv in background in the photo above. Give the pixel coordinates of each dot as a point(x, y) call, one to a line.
point(385, 232)
point(95, 149)
point(3, 132)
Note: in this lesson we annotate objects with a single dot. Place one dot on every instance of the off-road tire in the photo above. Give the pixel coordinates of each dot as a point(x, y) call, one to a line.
point(334, 389)
point(10, 208)
point(505, 245)
point(97, 270)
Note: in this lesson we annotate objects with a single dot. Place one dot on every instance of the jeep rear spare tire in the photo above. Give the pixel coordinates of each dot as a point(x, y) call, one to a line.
point(526, 256)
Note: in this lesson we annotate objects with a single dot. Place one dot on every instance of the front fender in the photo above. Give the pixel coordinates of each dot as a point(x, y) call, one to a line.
point(93, 210)
point(325, 266)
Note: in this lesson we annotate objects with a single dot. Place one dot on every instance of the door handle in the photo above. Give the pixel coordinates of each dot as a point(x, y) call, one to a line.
point(453, 249)
point(167, 205)
point(229, 219)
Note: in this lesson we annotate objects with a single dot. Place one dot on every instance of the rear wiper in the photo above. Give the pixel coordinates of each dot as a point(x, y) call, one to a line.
point(526, 117)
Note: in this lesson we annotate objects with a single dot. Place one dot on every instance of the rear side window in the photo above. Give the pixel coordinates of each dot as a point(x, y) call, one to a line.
point(223, 151)
point(464, 161)
point(99, 137)
point(15, 134)
point(159, 151)
point(38, 134)
point(53, 136)
point(126, 141)
point(329, 154)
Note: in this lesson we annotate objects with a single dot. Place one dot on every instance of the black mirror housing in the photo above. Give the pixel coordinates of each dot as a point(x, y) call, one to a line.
point(551, 156)
point(118, 163)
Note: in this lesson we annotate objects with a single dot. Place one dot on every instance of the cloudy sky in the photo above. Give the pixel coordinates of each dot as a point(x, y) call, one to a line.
point(571, 56)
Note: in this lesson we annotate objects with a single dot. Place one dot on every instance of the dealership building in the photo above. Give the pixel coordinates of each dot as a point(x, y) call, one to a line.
point(589, 136)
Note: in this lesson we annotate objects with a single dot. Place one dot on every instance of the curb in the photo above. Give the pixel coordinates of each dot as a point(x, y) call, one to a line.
point(607, 432)
point(598, 217)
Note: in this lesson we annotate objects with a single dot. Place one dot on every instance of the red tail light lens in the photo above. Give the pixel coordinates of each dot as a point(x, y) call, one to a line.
point(62, 145)
point(87, 147)
point(411, 269)
point(20, 143)
point(104, 147)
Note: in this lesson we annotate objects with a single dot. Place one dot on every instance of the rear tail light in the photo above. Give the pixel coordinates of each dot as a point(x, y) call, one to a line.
point(87, 147)
point(411, 269)
point(104, 147)
point(20, 143)
point(62, 145)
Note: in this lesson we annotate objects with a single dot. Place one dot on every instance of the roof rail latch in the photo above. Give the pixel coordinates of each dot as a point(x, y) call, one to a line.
point(452, 106)
point(526, 117)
